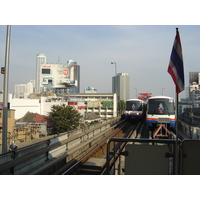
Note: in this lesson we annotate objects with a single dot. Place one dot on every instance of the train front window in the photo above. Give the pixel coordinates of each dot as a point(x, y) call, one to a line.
point(161, 107)
point(133, 106)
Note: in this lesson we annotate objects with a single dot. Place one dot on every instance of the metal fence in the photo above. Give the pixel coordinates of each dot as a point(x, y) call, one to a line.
point(152, 157)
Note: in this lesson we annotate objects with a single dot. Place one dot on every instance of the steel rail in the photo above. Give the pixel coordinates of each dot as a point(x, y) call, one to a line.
point(120, 146)
point(92, 152)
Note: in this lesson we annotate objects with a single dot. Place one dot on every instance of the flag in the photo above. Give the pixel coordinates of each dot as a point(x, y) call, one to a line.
point(175, 68)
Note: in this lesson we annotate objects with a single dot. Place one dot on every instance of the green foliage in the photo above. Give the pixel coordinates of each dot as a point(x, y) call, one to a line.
point(64, 118)
point(121, 106)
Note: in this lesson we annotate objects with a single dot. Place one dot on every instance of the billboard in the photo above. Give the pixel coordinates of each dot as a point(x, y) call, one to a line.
point(59, 75)
point(107, 103)
point(90, 90)
point(144, 96)
point(96, 104)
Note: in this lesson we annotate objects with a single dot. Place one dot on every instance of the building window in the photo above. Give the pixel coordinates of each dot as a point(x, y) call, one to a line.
point(50, 82)
point(46, 71)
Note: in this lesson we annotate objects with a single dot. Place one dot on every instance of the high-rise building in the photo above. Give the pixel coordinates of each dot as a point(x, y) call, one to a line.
point(20, 90)
point(120, 85)
point(194, 77)
point(23, 90)
point(40, 59)
point(30, 86)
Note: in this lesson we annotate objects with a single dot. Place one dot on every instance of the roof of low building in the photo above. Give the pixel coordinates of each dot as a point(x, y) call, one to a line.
point(33, 118)
point(91, 116)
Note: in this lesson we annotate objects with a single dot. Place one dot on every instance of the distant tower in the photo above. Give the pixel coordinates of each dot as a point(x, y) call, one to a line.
point(41, 59)
point(120, 85)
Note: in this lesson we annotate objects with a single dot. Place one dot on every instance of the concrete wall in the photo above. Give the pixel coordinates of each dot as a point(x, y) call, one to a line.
point(22, 106)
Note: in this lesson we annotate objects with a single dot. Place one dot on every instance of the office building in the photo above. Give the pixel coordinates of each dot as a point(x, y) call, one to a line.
point(120, 85)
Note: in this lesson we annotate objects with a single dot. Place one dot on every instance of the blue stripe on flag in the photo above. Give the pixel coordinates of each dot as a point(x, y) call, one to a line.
point(175, 69)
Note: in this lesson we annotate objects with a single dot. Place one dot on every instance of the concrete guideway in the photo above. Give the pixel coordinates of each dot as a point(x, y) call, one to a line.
point(39, 157)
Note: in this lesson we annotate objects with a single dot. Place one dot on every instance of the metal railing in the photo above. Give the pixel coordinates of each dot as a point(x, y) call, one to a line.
point(181, 157)
point(114, 154)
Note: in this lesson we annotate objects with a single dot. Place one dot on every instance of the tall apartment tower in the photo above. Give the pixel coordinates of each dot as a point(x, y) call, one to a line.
point(120, 85)
point(40, 59)
point(20, 90)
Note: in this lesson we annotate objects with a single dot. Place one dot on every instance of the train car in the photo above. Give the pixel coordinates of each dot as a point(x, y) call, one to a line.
point(134, 109)
point(160, 113)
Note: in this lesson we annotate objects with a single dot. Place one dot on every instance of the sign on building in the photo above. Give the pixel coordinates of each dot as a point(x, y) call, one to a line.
point(144, 96)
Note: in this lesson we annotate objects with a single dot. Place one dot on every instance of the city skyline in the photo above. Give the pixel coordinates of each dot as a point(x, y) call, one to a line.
point(142, 51)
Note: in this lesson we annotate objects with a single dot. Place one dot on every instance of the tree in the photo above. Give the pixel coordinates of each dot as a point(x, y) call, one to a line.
point(121, 106)
point(64, 118)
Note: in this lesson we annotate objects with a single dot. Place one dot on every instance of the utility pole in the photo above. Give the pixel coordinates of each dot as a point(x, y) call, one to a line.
point(5, 93)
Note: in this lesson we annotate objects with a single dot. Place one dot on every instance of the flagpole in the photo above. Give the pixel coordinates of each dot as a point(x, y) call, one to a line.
point(176, 144)
point(176, 70)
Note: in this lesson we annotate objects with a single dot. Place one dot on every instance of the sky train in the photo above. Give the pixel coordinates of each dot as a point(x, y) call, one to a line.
point(160, 110)
point(135, 109)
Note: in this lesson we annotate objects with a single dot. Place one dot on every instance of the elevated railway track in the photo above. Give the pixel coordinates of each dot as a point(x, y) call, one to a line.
point(103, 149)
point(49, 155)
point(95, 161)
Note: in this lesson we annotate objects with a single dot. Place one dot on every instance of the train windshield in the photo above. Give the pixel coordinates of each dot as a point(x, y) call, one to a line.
point(161, 106)
point(134, 106)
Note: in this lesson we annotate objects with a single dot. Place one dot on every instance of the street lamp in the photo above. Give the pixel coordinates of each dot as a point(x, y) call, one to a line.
point(135, 92)
point(5, 92)
point(116, 88)
point(115, 67)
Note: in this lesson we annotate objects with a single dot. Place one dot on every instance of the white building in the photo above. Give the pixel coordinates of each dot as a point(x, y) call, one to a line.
point(23, 90)
point(31, 86)
point(55, 77)
point(46, 103)
point(22, 106)
point(102, 104)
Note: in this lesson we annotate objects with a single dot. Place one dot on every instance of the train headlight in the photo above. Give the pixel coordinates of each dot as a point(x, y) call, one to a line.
point(152, 119)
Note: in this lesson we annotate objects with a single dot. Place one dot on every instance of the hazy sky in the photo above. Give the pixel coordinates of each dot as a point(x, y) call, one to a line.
point(142, 51)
